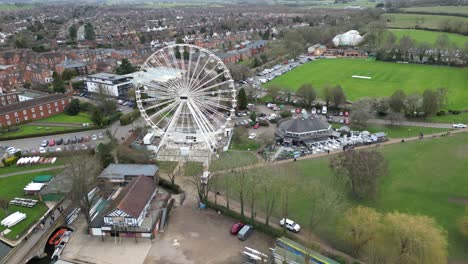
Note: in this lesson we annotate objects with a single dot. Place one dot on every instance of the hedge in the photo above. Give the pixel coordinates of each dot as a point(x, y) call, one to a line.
point(169, 186)
point(47, 133)
point(128, 118)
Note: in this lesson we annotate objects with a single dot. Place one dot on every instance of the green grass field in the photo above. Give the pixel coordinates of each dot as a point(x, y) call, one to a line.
point(64, 118)
point(417, 20)
point(166, 166)
point(400, 131)
point(454, 119)
point(462, 10)
point(193, 168)
point(233, 159)
point(12, 187)
point(386, 78)
point(14, 7)
point(430, 37)
point(425, 177)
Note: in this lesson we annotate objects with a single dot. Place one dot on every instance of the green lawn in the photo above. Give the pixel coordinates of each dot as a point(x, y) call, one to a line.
point(461, 118)
point(417, 20)
point(233, 159)
point(166, 166)
point(424, 178)
point(461, 10)
point(386, 78)
point(430, 36)
point(14, 7)
point(404, 131)
point(64, 118)
point(12, 187)
point(193, 168)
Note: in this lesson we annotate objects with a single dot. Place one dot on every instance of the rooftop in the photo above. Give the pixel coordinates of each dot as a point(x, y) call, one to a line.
point(30, 103)
point(121, 170)
point(108, 76)
point(136, 195)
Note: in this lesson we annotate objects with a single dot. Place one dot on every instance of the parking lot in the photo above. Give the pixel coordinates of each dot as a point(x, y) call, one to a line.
point(202, 236)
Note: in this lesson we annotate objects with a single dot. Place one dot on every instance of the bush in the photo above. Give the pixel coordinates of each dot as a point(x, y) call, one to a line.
point(166, 184)
point(285, 114)
point(440, 113)
point(10, 161)
point(128, 118)
point(263, 122)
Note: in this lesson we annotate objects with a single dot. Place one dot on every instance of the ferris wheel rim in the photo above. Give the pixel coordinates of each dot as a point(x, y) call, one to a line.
point(200, 97)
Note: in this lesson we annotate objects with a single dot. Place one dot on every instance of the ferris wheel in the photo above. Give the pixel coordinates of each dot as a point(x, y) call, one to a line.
point(187, 95)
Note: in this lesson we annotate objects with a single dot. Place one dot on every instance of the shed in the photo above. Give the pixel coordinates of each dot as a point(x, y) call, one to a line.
point(43, 178)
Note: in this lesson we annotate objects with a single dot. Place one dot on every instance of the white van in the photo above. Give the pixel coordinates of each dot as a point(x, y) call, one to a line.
point(324, 110)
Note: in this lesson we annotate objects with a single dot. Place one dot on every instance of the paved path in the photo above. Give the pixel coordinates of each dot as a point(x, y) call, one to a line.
point(411, 123)
point(32, 171)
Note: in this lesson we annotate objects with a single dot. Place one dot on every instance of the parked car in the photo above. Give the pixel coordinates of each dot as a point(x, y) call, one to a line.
point(245, 232)
point(100, 136)
point(67, 141)
point(51, 142)
point(290, 225)
point(94, 137)
point(58, 149)
point(59, 142)
point(12, 150)
point(257, 125)
point(45, 143)
point(236, 228)
point(459, 125)
point(42, 150)
point(80, 139)
point(252, 136)
point(86, 139)
point(73, 140)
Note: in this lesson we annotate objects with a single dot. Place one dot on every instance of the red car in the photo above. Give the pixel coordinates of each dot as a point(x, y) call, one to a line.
point(346, 114)
point(51, 142)
point(236, 228)
point(347, 121)
point(256, 125)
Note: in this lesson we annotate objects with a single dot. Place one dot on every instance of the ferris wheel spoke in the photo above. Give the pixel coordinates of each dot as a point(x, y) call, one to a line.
point(210, 80)
point(160, 104)
point(214, 104)
point(192, 79)
point(205, 134)
point(170, 124)
point(199, 80)
point(197, 91)
point(208, 111)
point(166, 108)
point(213, 92)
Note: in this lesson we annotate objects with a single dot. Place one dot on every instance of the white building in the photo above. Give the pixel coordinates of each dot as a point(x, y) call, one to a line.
point(109, 84)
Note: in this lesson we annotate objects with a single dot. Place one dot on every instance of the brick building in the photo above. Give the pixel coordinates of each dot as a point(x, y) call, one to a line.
point(8, 98)
point(33, 109)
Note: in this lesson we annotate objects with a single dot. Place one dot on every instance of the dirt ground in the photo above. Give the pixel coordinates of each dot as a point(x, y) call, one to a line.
point(203, 236)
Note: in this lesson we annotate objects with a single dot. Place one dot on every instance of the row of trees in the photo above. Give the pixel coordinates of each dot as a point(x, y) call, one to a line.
point(393, 237)
point(307, 94)
point(398, 106)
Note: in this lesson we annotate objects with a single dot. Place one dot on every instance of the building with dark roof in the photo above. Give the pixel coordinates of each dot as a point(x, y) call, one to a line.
point(132, 203)
point(122, 173)
point(304, 129)
point(33, 109)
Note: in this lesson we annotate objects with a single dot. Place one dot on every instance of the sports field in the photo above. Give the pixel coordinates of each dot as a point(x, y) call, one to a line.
point(417, 20)
point(430, 37)
point(461, 10)
point(425, 177)
point(386, 78)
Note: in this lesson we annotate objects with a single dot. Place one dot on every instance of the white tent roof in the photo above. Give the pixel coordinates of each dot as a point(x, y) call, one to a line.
point(350, 38)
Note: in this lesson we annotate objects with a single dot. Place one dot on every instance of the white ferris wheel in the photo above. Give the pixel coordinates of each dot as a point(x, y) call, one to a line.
point(187, 95)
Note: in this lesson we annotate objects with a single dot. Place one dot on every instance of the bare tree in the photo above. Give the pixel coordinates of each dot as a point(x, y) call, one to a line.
point(4, 205)
point(270, 192)
point(327, 94)
point(307, 94)
point(83, 172)
point(361, 170)
point(395, 118)
point(361, 113)
point(241, 190)
point(339, 96)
